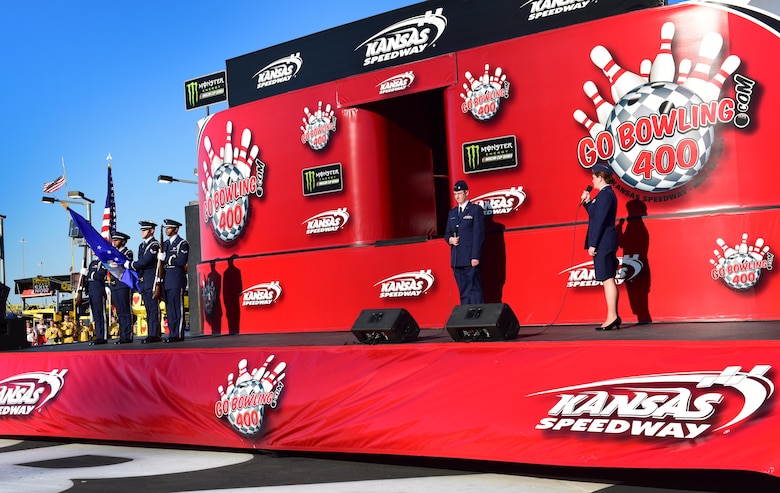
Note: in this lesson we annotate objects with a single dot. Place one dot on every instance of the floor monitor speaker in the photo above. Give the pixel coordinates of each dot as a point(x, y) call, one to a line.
point(485, 322)
point(385, 325)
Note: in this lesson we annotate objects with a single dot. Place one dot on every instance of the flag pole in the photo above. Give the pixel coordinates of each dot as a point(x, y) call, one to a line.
point(65, 176)
point(72, 251)
point(111, 219)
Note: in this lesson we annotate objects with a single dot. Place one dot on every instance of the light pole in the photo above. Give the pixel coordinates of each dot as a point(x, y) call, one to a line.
point(22, 241)
point(192, 227)
point(78, 195)
point(2, 250)
point(75, 194)
point(81, 199)
point(169, 179)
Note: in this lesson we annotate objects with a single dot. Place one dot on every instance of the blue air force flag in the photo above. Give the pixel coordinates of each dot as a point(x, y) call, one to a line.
point(105, 251)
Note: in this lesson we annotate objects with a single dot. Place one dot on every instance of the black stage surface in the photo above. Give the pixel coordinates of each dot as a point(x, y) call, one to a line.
point(685, 331)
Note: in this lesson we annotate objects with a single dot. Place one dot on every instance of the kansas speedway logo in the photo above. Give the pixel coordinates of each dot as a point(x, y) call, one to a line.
point(327, 222)
point(406, 285)
point(21, 395)
point(501, 201)
point(262, 294)
point(279, 71)
point(680, 406)
point(406, 38)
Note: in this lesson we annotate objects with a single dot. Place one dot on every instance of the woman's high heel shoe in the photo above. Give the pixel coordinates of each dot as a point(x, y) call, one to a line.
point(615, 325)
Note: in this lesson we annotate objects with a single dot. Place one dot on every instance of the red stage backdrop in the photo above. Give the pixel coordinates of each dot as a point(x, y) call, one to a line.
point(320, 202)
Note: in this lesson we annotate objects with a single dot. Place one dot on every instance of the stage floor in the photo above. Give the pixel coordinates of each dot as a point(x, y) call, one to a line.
point(684, 331)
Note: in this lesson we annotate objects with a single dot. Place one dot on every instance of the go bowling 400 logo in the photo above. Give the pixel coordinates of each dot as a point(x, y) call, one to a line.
point(482, 96)
point(740, 266)
point(242, 403)
point(318, 126)
point(659, 130)
point(230, 176)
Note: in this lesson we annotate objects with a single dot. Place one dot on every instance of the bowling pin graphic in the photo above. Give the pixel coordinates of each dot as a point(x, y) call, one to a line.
point(242, 162)
point(644, 69)
point(713, 88)
point(699, 78)
point(227, 157)
point(594, 128)
point(271, 377)
point(603, 108)
point(621, 80)
point(683, 71)
point(743, 246)
point(663, 65)
point(727, 250)
point(243, 375)
point(230, 385)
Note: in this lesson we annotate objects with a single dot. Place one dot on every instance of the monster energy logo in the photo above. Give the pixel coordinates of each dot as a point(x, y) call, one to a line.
point(471, 156)
point(488, 155)
point(308, 181)
point(192, 93)
point(205, 90)
point(322, 179)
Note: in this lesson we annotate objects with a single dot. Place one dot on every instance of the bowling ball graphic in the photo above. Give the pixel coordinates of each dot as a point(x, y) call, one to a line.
point(229, 220)
point(665, 162)
point(740, 278)
point(247, 420)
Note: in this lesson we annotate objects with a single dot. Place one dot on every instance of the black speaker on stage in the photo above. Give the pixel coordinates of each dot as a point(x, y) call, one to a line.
point(13, 334)
point(385, 325)
point(486, 322)
point(4, 292)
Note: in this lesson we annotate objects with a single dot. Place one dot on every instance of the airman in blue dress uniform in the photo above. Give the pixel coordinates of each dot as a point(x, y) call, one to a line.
point(175, 254)
point(146, 267)
point(122, 294)
point(465, 233)
point(95, 276)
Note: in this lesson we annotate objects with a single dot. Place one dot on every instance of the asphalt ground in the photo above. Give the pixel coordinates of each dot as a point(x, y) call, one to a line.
point(41, 466)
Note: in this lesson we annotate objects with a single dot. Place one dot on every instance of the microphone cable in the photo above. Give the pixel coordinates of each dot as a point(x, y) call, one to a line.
point(571, 262)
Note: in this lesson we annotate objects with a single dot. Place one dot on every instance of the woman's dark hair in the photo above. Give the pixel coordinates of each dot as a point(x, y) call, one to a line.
point(608, 178)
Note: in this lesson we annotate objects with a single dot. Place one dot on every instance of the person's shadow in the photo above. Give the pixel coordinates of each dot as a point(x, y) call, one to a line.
point(212, 301)
point(232, 286)
point(493, 261)
point(634, 238)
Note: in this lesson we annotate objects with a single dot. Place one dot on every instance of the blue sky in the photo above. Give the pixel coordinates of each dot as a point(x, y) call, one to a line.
point(80, 80)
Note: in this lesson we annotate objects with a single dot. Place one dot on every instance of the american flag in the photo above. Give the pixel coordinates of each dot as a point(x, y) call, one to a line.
point(53, 186)
point(109, 213)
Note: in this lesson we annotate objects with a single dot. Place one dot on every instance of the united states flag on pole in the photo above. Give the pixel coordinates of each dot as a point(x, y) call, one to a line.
point(53, 186)
point(109, 213)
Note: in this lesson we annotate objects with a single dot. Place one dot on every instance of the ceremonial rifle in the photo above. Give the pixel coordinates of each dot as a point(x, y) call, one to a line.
point(159, 273)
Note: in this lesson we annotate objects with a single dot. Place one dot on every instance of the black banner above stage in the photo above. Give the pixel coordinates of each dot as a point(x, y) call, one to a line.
point(420, 31)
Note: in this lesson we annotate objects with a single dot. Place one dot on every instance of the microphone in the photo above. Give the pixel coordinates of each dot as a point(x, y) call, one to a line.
point(588, 189)
point(455, 232)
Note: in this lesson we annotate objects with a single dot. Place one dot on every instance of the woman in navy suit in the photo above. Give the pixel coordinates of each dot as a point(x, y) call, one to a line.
point(602, 240)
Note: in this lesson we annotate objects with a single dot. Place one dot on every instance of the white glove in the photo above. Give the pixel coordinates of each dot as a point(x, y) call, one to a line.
point(161, 256)
point(83, 271)
point(127, 264)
